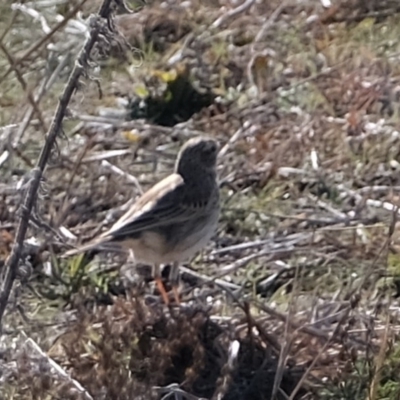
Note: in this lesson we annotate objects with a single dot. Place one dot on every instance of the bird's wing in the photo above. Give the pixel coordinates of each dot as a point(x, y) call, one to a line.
point(165, 203)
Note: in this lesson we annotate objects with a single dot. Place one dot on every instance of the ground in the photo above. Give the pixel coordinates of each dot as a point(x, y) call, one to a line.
point(296, 296)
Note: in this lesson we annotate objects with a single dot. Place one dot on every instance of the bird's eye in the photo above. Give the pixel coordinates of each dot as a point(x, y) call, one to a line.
point(209, 153)
point(211, 148)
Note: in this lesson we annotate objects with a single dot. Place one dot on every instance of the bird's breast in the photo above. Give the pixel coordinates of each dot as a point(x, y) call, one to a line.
point(149, 248)
point(173, 243)
point(184, 240)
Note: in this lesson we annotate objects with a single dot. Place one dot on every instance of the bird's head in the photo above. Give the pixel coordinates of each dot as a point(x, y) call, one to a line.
point(196, 155)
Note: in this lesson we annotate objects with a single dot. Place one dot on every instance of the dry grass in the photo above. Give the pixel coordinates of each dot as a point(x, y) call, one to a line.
point(297, 295)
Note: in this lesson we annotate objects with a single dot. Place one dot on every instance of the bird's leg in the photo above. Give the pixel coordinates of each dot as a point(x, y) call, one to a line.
point(159, 283)
point(174, 279)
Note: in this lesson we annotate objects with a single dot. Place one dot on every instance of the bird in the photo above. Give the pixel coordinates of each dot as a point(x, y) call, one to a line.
point(174, 219)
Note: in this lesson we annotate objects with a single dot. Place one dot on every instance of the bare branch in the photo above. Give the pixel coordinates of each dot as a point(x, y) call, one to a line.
point(11, 264)
point(40, 43)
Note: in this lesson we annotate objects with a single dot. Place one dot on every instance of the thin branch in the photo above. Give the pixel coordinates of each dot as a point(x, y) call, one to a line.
point(44, 39)
point(232, 13)
point(24, 86)
point(59, 371)
point(9, 26)
point(11, 265)
point(45, 86)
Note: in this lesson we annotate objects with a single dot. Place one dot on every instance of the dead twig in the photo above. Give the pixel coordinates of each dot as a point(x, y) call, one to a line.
point(24, 86)
point(33, 348)
point(42, 41)
point(232, 13)
point(11, 264)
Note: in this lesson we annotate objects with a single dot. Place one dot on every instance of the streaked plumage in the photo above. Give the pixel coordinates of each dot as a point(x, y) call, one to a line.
point(175, 218)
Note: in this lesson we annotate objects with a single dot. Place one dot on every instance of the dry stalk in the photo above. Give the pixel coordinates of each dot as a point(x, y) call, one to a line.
point(11, 264)
point(380, 360)
point(232, 13)
point(287, 339)
point(36, 46)
point(24, 86)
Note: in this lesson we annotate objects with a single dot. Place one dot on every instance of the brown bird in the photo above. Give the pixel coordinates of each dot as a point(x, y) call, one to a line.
point(174, 219)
